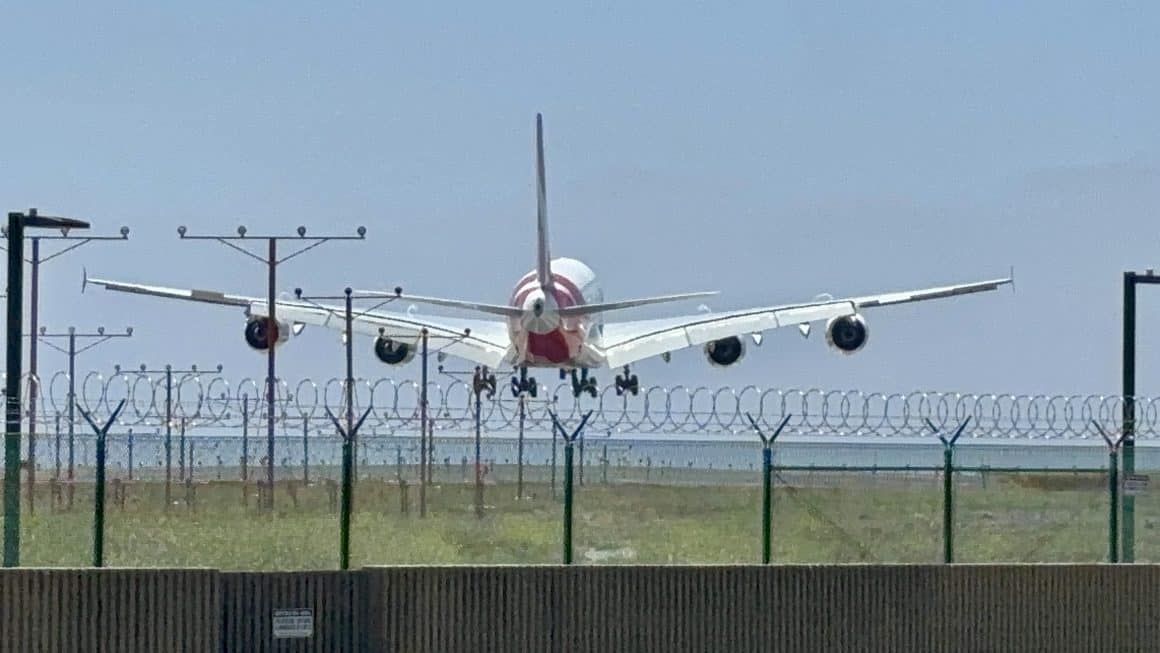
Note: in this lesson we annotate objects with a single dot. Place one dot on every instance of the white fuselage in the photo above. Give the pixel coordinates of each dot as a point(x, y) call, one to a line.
point(541, 336)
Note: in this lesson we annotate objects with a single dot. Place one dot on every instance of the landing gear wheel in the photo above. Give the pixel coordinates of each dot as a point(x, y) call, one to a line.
point(627, 383)
point(592, 386)
point(583, 383)
point(528, 386)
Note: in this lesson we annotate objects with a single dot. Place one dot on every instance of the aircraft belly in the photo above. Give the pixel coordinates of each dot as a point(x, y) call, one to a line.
point(561, 348)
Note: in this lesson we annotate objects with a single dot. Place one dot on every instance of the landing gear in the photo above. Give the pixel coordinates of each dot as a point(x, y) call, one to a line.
point(582, 383)
point(627, 383)
point(524, 383)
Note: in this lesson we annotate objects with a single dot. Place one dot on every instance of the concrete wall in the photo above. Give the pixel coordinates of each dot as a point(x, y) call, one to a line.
point(612, 608)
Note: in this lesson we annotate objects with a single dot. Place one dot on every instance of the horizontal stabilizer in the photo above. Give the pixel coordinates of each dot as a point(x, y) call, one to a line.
point(494, 309)
point(591, 309)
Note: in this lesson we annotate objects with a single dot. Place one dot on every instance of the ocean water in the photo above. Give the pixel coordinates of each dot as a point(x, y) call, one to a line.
point(209, 451)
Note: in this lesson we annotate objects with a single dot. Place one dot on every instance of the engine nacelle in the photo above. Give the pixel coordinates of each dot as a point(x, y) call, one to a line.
point(393, 352)
point(847, 333)
point(725, 352)
point(258, 334)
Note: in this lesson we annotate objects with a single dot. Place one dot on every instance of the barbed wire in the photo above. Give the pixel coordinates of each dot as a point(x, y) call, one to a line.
point(208, 399)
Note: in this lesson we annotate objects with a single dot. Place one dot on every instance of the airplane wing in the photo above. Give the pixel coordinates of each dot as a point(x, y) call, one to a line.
point(486, 341)
point(628, 342)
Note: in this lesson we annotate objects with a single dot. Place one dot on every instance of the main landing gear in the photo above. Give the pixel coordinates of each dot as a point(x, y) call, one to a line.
point(627, 383)
point(581, 382)
point(524, 383)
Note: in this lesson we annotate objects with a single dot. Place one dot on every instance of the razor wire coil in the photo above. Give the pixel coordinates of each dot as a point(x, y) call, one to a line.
point(208, 399)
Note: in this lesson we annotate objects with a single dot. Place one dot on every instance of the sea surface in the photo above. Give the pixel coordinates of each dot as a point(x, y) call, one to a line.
point(144, 451)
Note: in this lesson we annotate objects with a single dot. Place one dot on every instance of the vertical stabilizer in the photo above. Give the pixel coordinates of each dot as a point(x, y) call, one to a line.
point(543, 262)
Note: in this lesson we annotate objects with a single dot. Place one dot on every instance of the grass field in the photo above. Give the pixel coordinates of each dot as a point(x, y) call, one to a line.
point(849, 517)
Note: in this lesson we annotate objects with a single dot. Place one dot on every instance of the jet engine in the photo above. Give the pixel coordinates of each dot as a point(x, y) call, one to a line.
point(393, 352)
point(847, 333)
point(725, 352)
point(258, 334)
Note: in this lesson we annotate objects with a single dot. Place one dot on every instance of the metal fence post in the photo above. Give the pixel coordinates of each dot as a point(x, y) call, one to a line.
point(567, 503)
point(522, 397)
point(348, 435)
point(1113, 507)
point(767, 486)
point(305, 450)
point(948, 488)
point(948, 504)
point(344, 519)
point(423, 455)
point(245, 437)
point(181, 471)
point(1113, 492)
point(99, 491)
point(168, 436)
point(569, 441)
point(581, 470)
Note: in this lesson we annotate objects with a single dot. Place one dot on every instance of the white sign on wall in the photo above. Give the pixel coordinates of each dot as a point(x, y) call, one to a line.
point(295, 623)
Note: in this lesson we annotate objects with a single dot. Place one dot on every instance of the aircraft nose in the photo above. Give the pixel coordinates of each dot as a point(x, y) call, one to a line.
point(538, 307)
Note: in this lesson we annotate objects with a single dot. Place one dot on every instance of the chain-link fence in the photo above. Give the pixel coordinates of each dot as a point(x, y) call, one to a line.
point(646, 498)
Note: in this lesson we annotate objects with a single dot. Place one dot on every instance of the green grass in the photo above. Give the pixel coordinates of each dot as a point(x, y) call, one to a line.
point(817, 518)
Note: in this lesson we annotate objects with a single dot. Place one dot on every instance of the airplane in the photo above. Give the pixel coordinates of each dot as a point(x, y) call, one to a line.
point(554, 318)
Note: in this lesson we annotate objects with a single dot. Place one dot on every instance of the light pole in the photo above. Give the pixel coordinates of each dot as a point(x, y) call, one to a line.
point(17, 222)
point(482, 381)
point(271, 261)
point(168, 371)
point(426, 425)
point(93, 339)
point(1131, 280)
point(34, 326)
point(348, 432)
point(522, 388)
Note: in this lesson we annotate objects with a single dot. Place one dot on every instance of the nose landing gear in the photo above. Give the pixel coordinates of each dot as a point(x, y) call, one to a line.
point(627, 383)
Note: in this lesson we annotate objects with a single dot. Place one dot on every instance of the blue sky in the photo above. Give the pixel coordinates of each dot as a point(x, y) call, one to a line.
point(769, 151)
